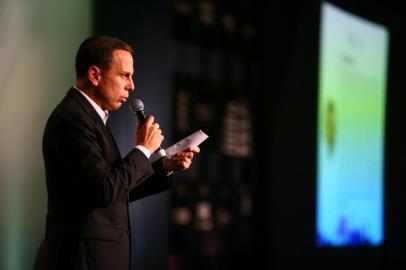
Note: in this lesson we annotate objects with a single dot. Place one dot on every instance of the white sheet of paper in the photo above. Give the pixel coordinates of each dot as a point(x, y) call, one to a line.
point(194, 139)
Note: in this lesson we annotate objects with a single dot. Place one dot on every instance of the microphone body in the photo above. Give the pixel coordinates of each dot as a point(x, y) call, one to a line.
point(142, 116)
point(137, 107)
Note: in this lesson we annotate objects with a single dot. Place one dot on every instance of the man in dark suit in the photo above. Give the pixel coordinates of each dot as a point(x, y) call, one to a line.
point(89, 185)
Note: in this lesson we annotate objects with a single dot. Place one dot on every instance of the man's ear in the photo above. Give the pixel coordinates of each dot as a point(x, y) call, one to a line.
point(94, 75)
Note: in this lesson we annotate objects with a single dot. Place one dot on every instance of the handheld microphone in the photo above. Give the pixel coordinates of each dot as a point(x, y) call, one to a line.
point(137, 107)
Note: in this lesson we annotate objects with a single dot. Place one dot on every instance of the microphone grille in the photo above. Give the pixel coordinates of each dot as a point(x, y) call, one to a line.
point(136, 105)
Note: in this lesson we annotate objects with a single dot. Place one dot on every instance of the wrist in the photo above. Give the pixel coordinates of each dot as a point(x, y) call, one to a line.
point(165, 164)
point(144, 150)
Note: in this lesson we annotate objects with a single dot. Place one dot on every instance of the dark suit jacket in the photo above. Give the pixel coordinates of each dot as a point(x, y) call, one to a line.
point(89, 188)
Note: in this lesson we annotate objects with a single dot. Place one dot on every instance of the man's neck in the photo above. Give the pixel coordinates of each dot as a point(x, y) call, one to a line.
point(104, 114)
point(89, 91)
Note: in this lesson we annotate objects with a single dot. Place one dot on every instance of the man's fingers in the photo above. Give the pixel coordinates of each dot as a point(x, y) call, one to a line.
point(193, 149)
point(185, 154)
point(150, 120)
point(182, 161)
point(158, 131)
point(185, 164)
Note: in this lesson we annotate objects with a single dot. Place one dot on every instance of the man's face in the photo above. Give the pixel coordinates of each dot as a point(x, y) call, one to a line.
point(115, 84)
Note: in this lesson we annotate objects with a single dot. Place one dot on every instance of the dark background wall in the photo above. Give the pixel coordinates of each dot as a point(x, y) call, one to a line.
point(280, 83)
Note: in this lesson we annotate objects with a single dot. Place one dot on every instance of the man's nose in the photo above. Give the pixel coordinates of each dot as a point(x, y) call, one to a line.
point(131, 86)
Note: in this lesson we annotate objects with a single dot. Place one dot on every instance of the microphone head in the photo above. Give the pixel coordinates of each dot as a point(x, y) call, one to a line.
point(136, 105)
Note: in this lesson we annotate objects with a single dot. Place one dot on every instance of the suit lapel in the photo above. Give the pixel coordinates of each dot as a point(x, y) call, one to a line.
point(84, 103)
point(113, 140)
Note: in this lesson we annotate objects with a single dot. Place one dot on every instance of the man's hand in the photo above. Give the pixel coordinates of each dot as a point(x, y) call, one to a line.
point(181, 161)
point(149, 134)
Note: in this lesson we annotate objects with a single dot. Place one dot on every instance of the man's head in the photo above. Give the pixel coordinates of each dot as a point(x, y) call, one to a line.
point(104, 70)
point(98, 51)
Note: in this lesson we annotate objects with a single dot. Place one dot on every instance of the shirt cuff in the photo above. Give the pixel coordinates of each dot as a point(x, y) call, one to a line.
point(146, 152)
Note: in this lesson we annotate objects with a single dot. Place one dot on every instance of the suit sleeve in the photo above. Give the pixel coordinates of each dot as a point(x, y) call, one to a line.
point(157, 182)
point(96, 178)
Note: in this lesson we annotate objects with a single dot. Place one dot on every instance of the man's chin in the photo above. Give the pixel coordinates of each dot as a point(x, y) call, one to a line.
point(116, 106)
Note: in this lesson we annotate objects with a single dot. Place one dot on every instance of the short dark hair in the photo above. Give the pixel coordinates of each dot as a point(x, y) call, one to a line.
point(98, 51)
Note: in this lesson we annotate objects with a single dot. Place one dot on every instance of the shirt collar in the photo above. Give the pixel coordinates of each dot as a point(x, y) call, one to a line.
point(104, 114)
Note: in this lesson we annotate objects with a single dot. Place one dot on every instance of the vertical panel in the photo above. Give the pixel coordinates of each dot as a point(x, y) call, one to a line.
point(352, 92)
